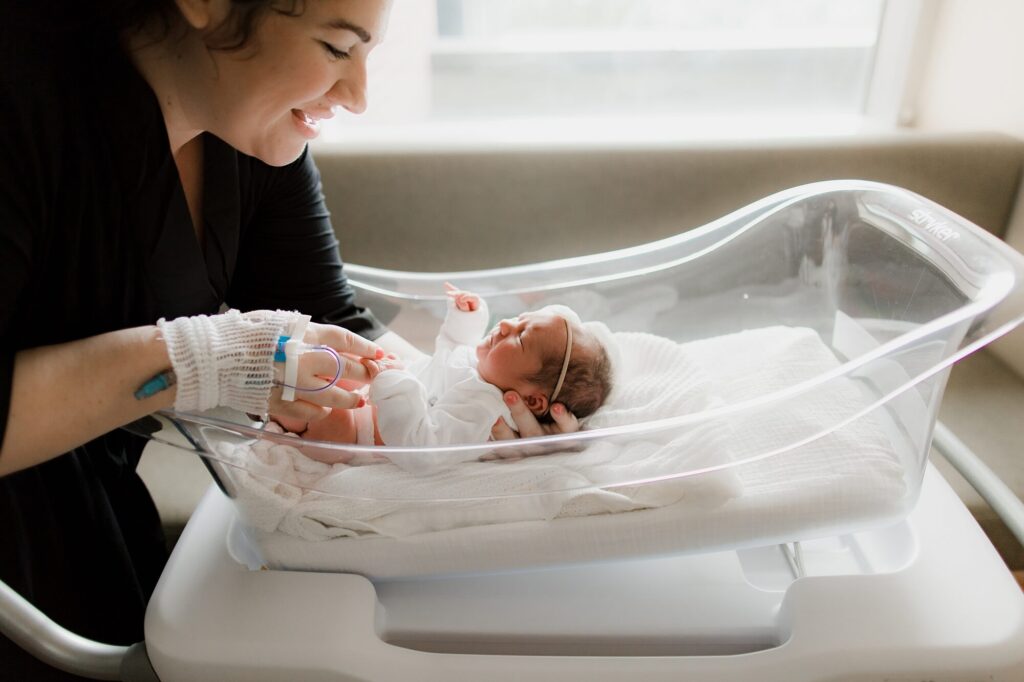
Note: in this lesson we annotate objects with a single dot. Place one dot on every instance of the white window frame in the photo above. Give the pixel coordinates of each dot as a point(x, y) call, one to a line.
point(900, 56)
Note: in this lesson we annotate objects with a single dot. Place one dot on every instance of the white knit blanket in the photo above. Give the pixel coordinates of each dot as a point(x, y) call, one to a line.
point(281, 489)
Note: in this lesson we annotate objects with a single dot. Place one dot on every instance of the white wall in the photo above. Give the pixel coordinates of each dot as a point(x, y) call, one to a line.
point(973, 74)
point(972, 80)
point(398, 74)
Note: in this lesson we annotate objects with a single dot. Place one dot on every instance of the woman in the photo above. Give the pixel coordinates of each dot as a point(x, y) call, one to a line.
point(153, 164)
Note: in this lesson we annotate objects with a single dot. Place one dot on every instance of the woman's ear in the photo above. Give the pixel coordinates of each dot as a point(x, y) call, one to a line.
point(204, 14)
point(537, 402)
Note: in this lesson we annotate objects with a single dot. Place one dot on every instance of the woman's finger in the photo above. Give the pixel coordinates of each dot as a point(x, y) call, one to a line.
point(502, 431)
point(344, 341)
point(318, 364)
point(355, 371)
point(335, 397)
point(319, 402)
point(565, 421)
point(524, 419)
point(350, 385)
point(296, 410)
point(321, 364)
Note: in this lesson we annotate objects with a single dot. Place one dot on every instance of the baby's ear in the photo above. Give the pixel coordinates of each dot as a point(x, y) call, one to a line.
point(537, 402)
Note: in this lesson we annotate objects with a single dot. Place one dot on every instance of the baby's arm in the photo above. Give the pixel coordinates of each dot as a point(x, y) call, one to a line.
point(465, 322)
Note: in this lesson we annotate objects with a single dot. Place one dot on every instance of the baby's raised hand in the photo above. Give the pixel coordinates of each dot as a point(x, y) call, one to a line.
point(375, 367)
point(465, 301)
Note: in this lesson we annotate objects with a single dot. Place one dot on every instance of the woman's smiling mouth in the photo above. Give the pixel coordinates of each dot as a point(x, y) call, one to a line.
point(308, 126)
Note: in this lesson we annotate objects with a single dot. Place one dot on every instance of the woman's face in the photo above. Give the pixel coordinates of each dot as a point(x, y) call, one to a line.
point(268, 98)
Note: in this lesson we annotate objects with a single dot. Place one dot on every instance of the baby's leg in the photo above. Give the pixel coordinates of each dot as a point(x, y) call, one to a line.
point(337, 427)
point(377, 440)
point(290, 424)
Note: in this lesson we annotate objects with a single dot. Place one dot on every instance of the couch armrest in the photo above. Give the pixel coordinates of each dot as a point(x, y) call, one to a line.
point(1010, 349)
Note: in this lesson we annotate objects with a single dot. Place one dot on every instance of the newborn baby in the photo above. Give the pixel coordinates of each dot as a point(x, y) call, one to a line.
point(456, 395)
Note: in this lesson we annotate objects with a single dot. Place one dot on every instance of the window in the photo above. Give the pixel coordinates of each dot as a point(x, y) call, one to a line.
point(541, 70)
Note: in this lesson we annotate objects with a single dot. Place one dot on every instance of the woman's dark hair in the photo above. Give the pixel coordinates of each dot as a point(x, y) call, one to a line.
point(164, 16)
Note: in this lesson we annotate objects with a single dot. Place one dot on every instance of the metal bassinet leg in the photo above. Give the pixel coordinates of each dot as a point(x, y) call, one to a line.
point(36, 633)
point(991, 488)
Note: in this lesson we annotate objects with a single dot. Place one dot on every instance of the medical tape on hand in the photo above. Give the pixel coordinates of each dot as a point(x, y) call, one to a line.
point(293, 348)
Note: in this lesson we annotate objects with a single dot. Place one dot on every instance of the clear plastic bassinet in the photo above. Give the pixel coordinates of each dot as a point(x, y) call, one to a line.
point(785, 368)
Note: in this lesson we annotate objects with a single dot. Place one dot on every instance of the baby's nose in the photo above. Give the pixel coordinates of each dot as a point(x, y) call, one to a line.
point(505, 327)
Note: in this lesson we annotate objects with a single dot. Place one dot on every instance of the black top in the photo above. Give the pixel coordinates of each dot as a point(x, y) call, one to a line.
point(95, 235)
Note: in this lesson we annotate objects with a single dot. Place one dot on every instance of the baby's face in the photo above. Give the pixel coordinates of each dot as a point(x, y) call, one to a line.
point(515, 349)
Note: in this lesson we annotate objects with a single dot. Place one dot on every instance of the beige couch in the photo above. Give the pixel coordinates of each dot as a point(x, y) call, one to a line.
point(404, 211)
point(456, 210)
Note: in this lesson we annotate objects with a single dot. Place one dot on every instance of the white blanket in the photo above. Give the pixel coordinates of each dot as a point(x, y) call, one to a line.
point(842, 481)
point(850, 473)
point(281, 489)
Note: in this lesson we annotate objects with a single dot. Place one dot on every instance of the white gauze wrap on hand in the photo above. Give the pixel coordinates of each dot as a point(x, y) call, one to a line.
point(225, 360)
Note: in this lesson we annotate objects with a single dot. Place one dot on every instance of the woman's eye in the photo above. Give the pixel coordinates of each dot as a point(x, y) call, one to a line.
point(334, 52)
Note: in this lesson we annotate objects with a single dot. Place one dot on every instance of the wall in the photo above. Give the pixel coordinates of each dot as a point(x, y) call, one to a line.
point(972, 81)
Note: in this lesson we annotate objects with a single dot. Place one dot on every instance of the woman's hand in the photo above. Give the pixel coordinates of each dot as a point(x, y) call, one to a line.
point(565, 421)
point(318, 368)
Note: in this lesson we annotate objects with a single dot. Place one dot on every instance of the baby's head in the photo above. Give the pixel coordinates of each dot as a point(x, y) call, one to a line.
point(528, 354)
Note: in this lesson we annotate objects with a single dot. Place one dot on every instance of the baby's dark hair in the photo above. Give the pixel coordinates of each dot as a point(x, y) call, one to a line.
point(588, 379)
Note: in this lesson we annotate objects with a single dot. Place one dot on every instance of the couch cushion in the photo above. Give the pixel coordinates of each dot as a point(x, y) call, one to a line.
point(436, 211)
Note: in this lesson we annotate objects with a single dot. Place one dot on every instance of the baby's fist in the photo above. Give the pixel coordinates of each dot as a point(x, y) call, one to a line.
point(375, 367)
point(465, 301)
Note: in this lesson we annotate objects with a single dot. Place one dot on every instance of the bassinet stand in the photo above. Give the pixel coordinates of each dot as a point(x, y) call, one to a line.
point(808, 652)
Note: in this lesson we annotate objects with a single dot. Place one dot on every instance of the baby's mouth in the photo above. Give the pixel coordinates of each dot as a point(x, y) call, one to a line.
point(487, 342)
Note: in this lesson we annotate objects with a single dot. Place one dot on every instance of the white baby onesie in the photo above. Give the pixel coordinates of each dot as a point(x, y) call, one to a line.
point(440, 400)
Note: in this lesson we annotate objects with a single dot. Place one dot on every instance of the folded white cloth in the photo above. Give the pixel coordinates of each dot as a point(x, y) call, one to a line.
point(658, 379)
point(860, 454)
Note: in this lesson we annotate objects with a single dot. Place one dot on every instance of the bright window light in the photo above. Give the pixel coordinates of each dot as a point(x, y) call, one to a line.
point(539, 69)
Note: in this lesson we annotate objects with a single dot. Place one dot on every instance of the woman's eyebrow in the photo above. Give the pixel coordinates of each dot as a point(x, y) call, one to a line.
point(343, 24)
